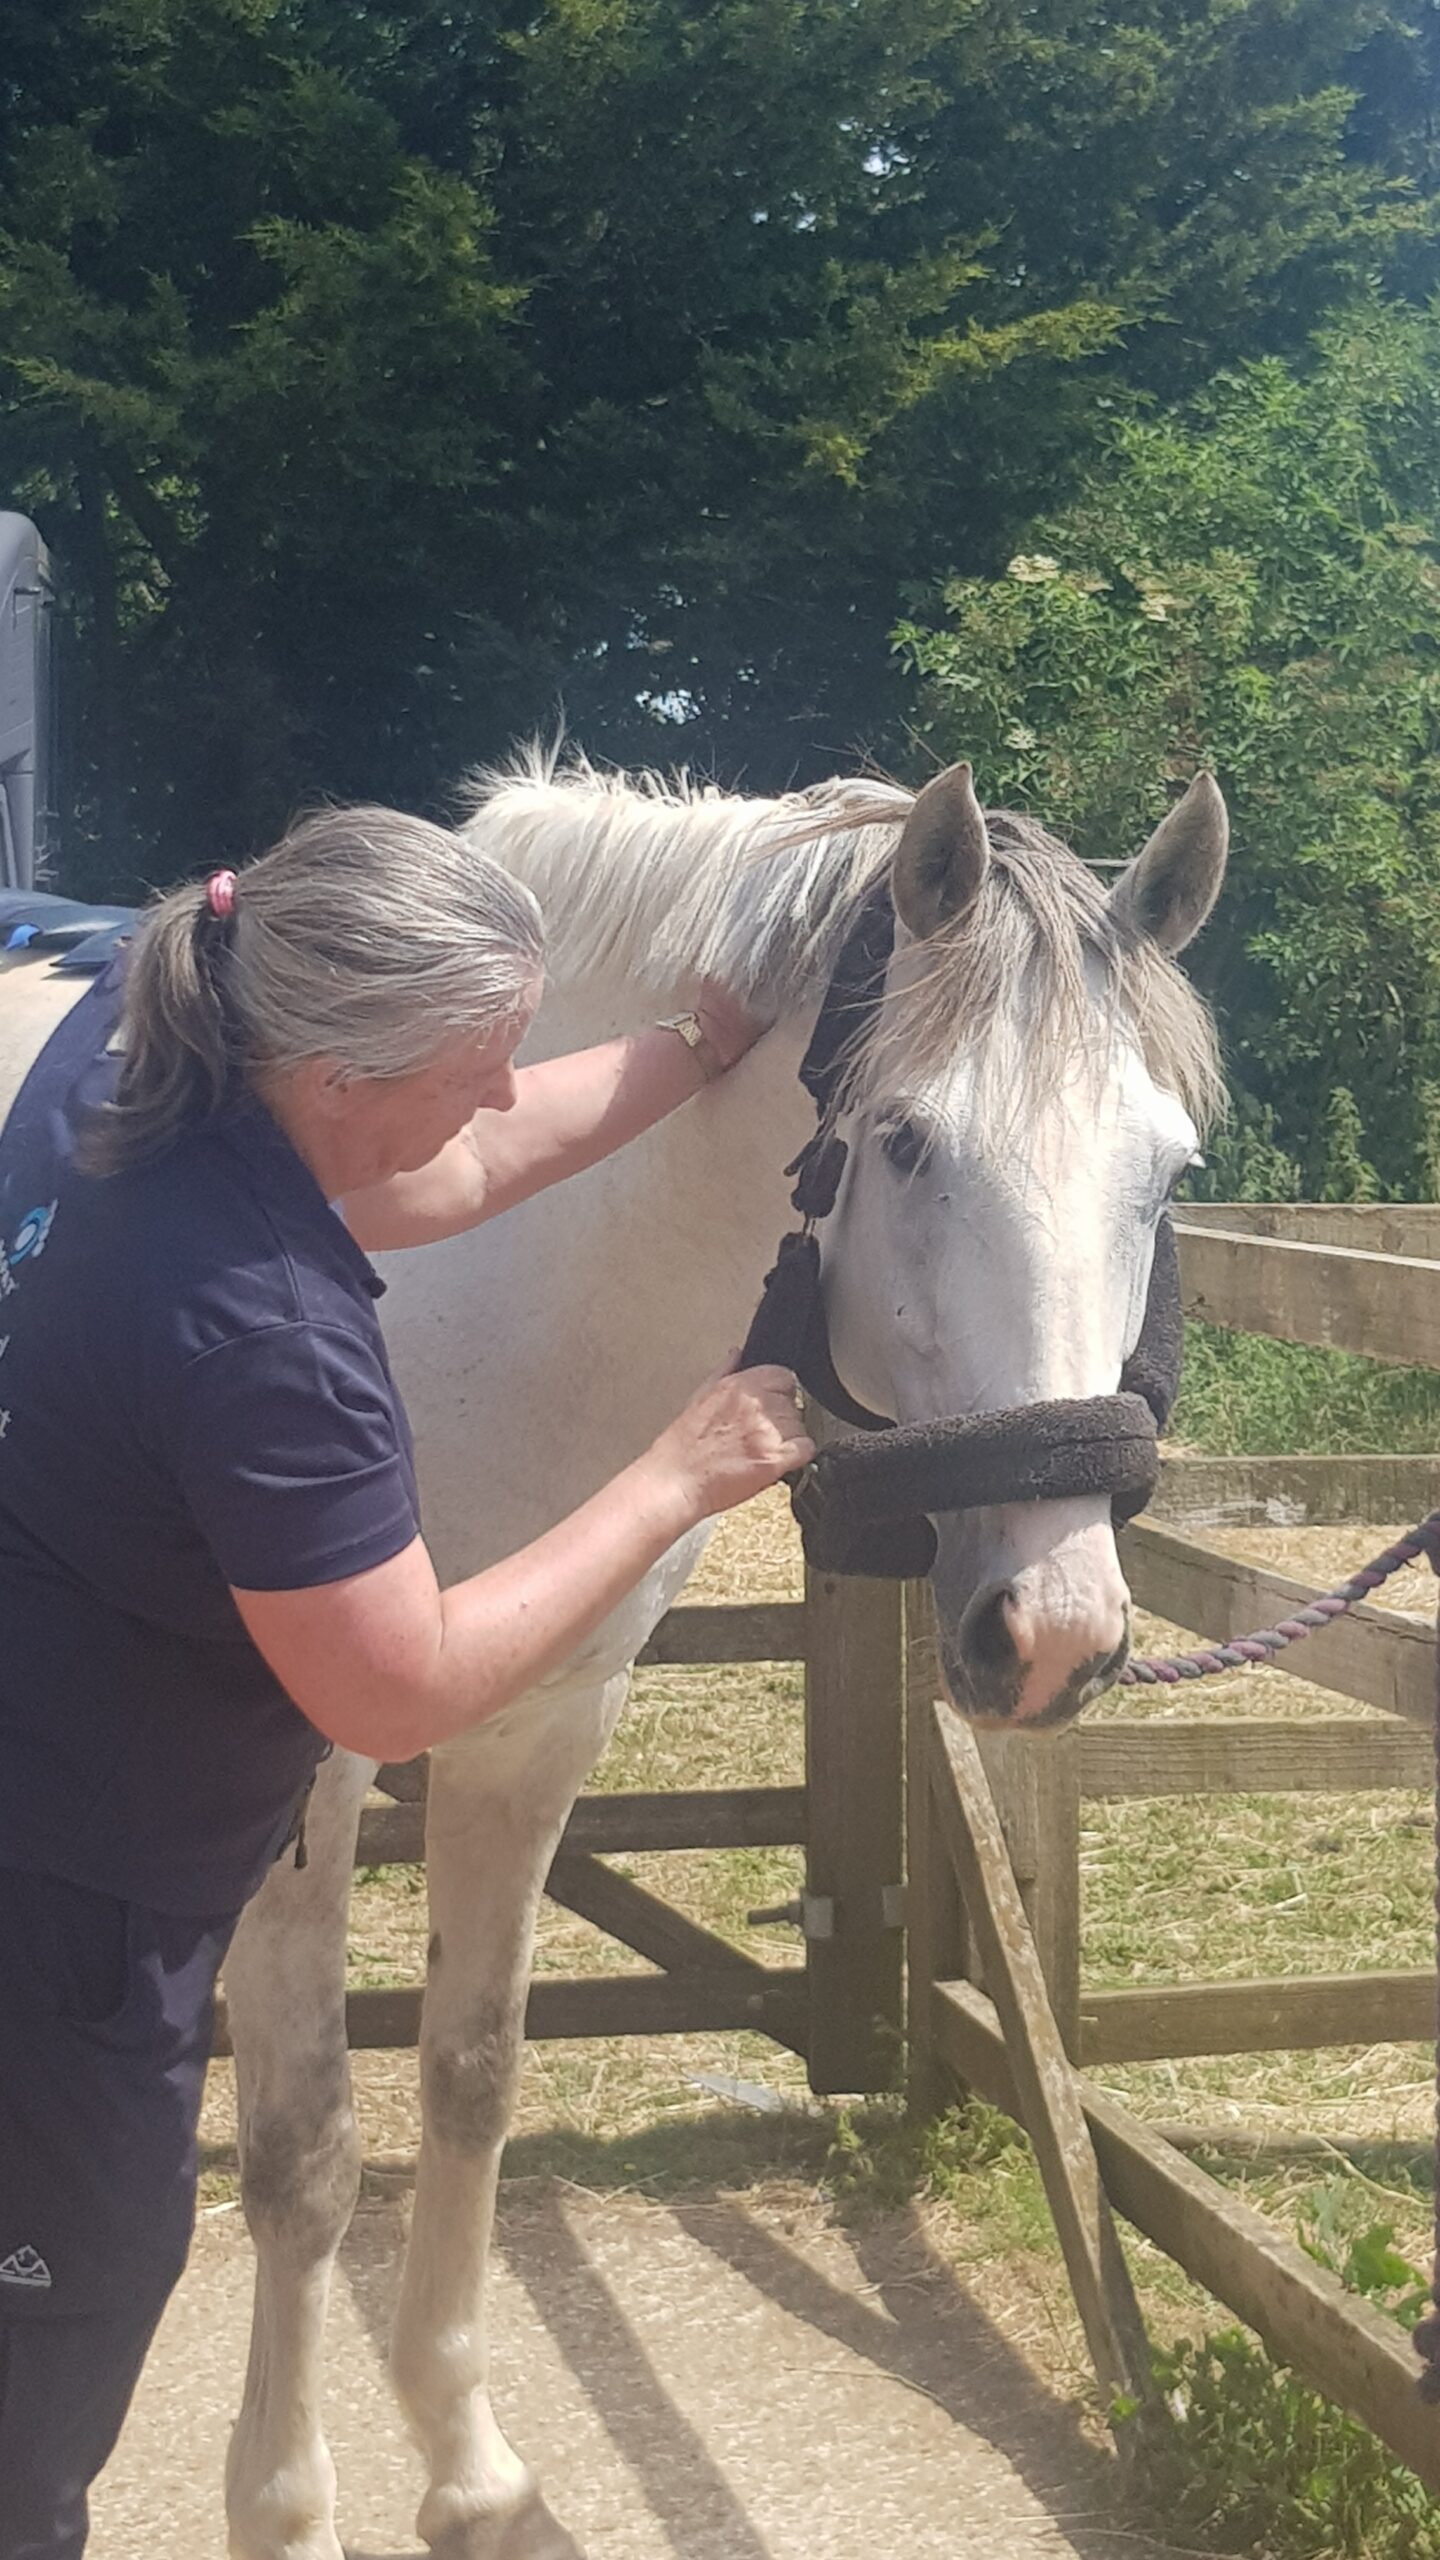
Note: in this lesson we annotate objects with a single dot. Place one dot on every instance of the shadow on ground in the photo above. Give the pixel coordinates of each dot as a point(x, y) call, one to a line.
point(874, 2289)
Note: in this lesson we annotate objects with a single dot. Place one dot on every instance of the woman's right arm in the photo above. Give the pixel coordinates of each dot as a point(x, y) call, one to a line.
point(387, 1664)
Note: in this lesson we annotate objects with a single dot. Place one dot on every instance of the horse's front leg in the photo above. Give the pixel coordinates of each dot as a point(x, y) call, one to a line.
point(498, 1804)
point(300, 2172)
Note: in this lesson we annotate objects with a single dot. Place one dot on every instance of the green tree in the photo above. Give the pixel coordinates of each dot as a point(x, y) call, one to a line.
point(787, 356)
point(241, 333)
point(1396, 119)
point(1255, 585)
point(386, 375)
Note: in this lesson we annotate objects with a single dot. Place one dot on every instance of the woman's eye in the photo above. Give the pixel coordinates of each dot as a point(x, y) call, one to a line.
point(905, 1145)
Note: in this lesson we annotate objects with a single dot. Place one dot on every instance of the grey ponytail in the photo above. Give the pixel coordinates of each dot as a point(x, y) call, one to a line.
point(364, 936)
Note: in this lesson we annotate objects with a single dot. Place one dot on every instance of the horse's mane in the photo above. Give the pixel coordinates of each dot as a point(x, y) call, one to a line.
point(656, 880)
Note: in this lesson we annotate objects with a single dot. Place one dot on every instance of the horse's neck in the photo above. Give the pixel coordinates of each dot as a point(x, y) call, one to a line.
point(539, 1354)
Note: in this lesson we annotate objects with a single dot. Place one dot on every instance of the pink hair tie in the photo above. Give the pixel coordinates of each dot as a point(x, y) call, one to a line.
point(220, 892)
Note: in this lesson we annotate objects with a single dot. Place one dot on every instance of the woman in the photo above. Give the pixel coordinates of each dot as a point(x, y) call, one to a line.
point(211, 1564)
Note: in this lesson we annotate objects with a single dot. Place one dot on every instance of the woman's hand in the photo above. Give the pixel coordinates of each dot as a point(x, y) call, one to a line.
point(741, 1433)
point(728, 1027)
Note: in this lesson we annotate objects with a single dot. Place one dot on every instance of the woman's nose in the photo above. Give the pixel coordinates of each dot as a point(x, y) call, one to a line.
point(501, 1092)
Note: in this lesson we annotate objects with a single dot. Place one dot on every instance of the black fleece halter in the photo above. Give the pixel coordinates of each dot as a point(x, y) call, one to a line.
point(864, 1502)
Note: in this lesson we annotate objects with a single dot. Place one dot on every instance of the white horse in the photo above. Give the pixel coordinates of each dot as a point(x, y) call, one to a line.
point(1028, 1098)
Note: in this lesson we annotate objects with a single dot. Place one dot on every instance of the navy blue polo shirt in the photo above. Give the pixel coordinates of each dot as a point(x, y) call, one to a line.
point(194, 1394)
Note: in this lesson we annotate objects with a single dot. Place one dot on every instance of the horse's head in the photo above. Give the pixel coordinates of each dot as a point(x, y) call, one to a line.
point(1023, 1108)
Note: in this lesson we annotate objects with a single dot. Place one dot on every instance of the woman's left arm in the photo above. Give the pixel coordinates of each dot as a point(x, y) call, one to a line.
point(567, 1113)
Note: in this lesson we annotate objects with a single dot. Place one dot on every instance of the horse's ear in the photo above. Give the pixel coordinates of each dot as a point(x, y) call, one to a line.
point(1171, 887)
point(942, 854)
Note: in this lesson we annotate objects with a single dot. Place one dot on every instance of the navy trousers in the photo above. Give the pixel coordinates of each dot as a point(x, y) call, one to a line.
point(105, 2019)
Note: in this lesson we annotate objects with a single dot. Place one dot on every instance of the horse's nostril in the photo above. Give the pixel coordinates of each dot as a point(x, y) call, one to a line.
point(987, 1640)
point(1020, 1625)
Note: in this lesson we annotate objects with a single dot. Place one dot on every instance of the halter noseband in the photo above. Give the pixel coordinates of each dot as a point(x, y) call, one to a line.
point(864, 1502)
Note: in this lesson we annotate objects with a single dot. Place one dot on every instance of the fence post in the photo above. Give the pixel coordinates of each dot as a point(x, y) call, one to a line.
point(1035, 1781)
point(853, 1918)
point(937, 1939)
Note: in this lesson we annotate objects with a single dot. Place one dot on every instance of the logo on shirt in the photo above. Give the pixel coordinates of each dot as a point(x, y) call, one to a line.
point(25, 2266)
point(29, 1242)
point(33, 1234)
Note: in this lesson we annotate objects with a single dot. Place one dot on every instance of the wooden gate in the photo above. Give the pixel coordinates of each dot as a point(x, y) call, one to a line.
point(840, 2005)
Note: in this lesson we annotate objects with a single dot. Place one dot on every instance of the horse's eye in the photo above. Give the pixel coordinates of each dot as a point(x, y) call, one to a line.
point(906, 1145)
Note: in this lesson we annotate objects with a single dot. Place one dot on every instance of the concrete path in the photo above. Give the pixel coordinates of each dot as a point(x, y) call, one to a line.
point(692, 2382)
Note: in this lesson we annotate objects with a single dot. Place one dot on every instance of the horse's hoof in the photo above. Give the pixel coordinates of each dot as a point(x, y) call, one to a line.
point(526, 2532)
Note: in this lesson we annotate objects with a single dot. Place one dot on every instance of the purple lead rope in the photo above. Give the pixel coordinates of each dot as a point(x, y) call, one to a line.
point(1168, 1670)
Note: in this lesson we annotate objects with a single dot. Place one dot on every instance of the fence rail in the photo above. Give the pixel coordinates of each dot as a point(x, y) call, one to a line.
point(1217, 1755)
point(1335, 1297)
point(1258, 1493)
point(1410, 1227)
point(621, 1825)
point(621, 2004)
point(1286, 2013)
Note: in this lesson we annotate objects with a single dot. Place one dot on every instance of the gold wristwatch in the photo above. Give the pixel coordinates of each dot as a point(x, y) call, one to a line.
point(692, 1031)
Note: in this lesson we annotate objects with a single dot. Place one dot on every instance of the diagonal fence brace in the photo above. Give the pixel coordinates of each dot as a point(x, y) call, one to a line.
point(1045, 2080)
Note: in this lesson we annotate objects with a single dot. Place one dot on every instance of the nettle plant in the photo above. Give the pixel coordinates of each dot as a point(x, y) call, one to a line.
point(1254, 584)
point(1257, 2461)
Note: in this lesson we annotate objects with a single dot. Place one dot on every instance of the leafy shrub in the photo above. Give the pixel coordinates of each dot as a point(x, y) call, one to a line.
point(1241, 1396)
point(1254, 584)
point(1256, 2461)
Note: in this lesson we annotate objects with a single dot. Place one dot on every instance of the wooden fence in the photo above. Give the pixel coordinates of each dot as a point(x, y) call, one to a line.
point(940, 1918)
point(994, 1959)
